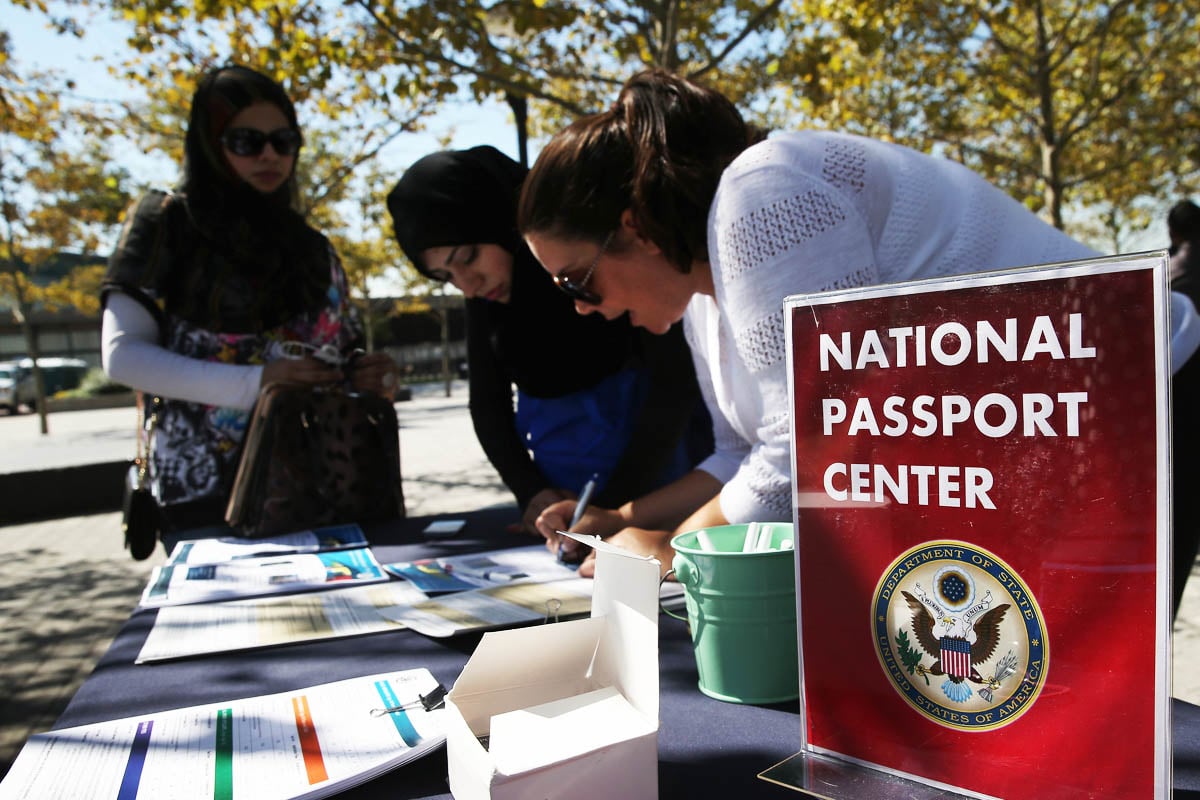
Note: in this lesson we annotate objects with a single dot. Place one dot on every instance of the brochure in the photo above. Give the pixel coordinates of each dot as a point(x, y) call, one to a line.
point(504, 606)
point(174, 584)
point(232, 548)
point(307, 743)
point(497, 589)
point(203, 628)
point(531, 564)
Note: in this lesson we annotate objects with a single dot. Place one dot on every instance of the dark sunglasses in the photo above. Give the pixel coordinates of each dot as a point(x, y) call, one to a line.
point(577, 290)
point(251, 141)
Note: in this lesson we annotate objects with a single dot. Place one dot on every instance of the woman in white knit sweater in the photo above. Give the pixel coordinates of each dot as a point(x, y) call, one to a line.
point(668, 205)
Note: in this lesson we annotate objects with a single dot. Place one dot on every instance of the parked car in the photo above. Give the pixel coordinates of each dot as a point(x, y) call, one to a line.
point(58, 374)
point(16, 387)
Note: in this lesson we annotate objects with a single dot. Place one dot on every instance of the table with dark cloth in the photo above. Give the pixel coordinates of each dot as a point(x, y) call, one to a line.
point(707, 748)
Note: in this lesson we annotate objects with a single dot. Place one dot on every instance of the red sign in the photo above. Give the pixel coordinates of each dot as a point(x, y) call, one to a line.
point(981, 486)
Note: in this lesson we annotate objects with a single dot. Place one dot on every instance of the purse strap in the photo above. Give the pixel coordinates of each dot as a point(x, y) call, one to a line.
point(145, 429)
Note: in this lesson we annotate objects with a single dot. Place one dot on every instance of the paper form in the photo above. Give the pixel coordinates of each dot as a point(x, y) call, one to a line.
point(308, 743)
point(189, 630)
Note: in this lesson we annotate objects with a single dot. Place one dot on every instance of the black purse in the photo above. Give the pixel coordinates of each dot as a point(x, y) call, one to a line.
point(141, 519)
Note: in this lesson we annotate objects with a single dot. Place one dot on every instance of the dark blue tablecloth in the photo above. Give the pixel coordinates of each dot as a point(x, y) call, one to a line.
point(707, 748)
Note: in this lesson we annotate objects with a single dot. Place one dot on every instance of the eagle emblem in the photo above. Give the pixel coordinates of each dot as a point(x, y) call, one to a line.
point(958, 645)
point(959, 635)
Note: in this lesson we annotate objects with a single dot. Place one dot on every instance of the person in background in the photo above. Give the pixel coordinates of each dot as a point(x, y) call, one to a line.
point(668, 206)
point(1183, 226)
point(593, 397)
point(221, 288)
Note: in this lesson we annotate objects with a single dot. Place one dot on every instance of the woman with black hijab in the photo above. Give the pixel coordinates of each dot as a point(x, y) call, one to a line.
point(598, 397)
point(221, 288)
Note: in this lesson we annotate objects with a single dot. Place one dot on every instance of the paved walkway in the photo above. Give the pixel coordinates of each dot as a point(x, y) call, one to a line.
point(74, 438)
point(67, 585)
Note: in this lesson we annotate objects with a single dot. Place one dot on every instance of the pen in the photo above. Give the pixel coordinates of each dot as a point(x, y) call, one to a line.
point(580, 506)
point(584, 496)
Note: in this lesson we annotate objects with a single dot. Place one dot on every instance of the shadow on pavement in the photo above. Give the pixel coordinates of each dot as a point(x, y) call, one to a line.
point(60, 617)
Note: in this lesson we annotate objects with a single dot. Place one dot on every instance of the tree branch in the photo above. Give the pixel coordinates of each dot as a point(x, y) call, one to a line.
point(765, 13)
point(500, 81)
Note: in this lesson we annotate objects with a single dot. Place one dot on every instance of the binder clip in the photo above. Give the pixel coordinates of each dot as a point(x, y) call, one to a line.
point(434, 700)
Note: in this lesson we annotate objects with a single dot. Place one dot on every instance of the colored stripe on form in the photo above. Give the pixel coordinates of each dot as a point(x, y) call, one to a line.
point(314, 762)
point(137, 760)
point(223, 767)
point(400, 719)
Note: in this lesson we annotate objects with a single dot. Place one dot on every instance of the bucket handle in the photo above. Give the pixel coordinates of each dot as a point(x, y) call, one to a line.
point(661, 607)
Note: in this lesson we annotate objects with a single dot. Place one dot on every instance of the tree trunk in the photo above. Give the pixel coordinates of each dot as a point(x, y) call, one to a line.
point(39, 380)
point(368, 321)
point(520, 108)
point(445, 318)
point(1052, 184)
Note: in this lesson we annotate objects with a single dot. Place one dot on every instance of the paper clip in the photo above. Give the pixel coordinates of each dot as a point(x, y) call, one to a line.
point(435, 699)
point(552, 607)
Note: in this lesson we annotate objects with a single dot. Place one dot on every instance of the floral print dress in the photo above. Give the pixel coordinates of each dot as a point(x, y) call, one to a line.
point(195, 448)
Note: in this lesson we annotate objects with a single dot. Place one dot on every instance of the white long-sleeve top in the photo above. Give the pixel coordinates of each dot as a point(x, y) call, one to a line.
point(816, 211)
point(131, 354)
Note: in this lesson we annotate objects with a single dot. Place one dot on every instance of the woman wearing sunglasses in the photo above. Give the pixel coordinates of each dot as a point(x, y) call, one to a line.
point(222, 287)
point(667, 206)
point(592, 397)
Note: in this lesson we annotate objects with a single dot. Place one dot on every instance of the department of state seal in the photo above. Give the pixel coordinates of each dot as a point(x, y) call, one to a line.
point(959, 635)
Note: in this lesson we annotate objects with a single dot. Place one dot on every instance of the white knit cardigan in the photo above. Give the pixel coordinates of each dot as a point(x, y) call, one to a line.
point(814, 211)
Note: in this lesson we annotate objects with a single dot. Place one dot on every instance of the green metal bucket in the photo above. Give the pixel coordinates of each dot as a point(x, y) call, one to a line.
point(742, 610)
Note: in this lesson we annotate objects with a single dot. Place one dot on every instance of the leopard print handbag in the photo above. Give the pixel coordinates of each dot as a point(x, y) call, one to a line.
point(314, 457)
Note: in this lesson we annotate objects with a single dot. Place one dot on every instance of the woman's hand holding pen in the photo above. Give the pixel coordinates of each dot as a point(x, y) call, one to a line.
point(595, 520)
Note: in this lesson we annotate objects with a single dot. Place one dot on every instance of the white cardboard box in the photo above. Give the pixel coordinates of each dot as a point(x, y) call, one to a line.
point(568, 710)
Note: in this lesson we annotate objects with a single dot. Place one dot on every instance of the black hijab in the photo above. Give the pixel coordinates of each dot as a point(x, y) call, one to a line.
point(234, 260)
point(457, 197)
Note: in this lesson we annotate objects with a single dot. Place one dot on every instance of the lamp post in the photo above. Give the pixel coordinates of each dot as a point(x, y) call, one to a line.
point(444, 313)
